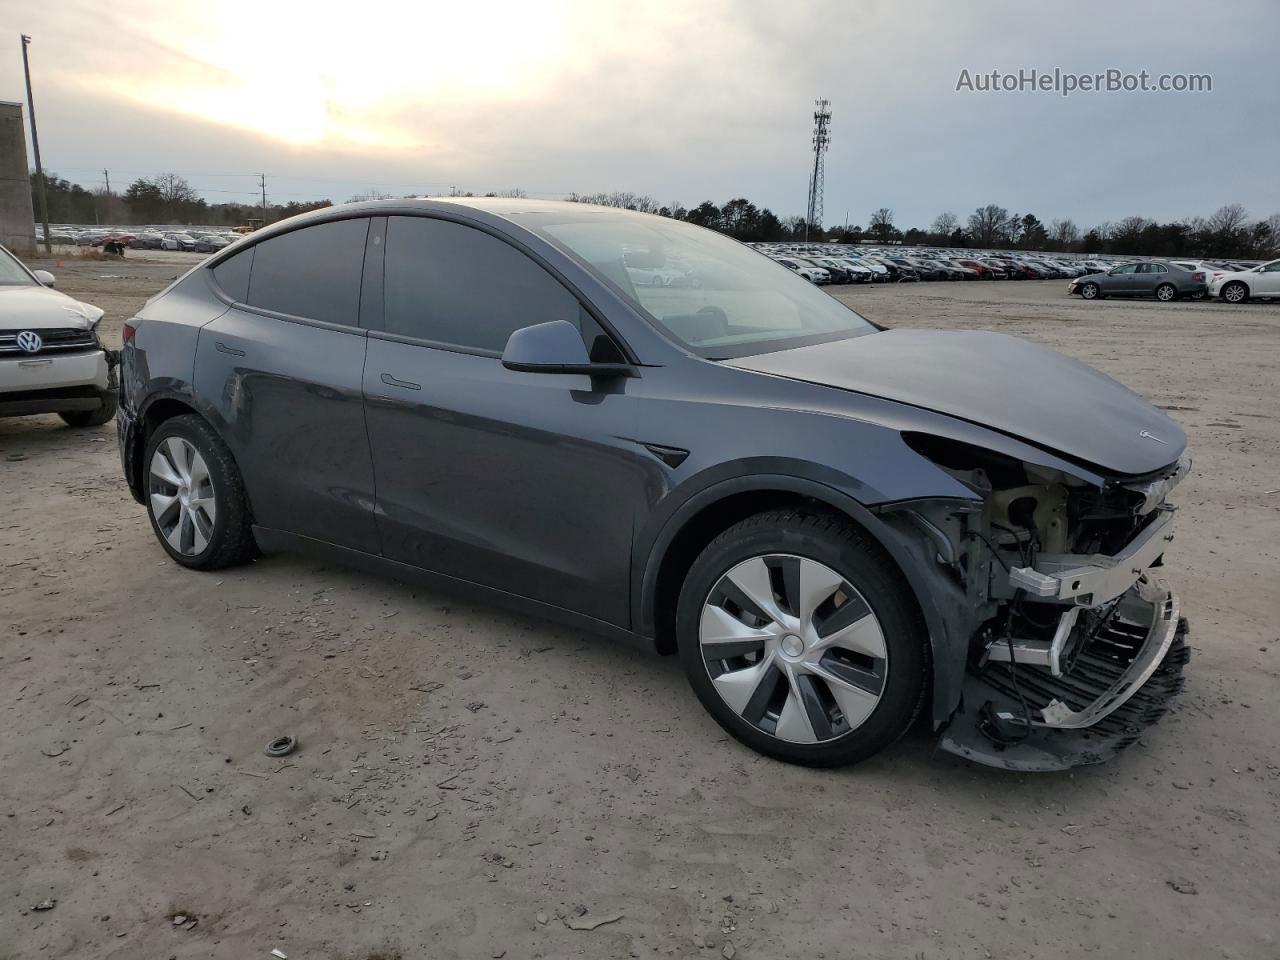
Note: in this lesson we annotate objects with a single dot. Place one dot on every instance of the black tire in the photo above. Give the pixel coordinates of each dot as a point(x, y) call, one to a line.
point(92, 418)
point(231, 541)
point(845, 549)
point(1235, 292)
point(1166, 293)
point(1090, 291)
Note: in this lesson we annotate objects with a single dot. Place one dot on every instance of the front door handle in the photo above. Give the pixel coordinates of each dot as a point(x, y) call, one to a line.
point(230, 351)
point(391, 381)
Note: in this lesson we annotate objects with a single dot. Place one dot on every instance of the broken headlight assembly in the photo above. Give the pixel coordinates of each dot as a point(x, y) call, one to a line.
point(1077, 643)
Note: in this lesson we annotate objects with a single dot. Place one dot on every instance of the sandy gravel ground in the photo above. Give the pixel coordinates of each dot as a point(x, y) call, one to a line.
point(473, 784)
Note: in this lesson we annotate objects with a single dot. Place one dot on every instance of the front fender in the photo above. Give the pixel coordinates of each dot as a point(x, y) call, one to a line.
point(941, 602)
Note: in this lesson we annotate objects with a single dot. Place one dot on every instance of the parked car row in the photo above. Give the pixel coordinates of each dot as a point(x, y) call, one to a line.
point(1091, 279)
point(1169, 280)
point(192, 240)
point(842, 263)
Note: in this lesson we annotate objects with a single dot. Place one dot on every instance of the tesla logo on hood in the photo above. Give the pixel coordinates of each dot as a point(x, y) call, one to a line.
point(1151, 436)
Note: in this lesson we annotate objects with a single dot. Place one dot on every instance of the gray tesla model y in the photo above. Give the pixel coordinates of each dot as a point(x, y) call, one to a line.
point(837, 527)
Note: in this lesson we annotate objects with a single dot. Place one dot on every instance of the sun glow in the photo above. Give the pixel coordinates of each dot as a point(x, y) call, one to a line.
point(319, 73)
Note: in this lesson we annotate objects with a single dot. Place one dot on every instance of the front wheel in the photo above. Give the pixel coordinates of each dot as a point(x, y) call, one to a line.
point(802, 639)
point(195, 496)
point(1090, 291)
point(1166, 293)
point(1235, 292)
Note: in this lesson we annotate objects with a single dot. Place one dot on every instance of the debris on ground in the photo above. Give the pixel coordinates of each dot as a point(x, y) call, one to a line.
point(590, 923)
point(281, 746)
point(46, 904)
point(1184, 886)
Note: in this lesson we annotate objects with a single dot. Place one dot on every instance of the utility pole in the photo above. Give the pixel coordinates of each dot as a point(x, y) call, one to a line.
point(263, 178)
point(35, 147)
point(107, 177)
point(821, 139)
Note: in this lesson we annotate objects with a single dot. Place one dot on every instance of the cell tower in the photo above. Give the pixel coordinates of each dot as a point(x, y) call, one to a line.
point(821, 140)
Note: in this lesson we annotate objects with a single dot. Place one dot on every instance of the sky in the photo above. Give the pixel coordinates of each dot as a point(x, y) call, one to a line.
point(683, 101)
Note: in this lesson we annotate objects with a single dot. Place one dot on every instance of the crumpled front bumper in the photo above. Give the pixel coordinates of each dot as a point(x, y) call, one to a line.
point(1120, 681)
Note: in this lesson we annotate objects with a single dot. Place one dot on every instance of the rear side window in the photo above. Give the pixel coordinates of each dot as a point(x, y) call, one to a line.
point(456, 285)
point(232, 275)
point(313, 272)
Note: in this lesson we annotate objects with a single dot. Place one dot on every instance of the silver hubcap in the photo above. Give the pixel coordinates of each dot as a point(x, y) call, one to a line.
point(793, 648)
point(1234, 293)
point(1090, 291)
point(181, 495)
point(1164, 293)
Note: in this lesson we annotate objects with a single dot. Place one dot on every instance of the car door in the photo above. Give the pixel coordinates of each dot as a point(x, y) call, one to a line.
point(1121, 280)
point(1266, 283)
point(525, 482)
point(283, 368)
point(1148, 276)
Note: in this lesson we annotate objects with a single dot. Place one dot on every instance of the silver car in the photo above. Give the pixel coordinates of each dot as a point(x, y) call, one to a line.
point(1153, 278)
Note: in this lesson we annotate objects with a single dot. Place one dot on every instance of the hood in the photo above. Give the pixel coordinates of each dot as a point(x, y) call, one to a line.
point(32, 307)
point(1000, 382)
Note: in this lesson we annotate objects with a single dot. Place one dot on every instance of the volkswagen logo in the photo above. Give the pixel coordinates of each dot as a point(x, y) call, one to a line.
point(29, 341)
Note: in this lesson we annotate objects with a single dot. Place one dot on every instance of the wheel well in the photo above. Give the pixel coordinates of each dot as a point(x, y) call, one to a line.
point(700, 530)
point(157, 413)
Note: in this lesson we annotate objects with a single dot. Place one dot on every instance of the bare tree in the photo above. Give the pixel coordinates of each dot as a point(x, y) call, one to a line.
point(174, 190)
point(1064, 234)
point(619, 198)
point(945, 224)
point(882, 224)
point(988, 224)
point(1227, 221)
point(1273, 231)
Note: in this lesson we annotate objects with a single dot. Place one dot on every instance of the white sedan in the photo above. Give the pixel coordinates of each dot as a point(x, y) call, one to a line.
point(51, 360)
point(1263, 281)
point(808, 271)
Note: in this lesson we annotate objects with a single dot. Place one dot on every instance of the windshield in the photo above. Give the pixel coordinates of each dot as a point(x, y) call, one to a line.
point(12, 273)
point(717, 297)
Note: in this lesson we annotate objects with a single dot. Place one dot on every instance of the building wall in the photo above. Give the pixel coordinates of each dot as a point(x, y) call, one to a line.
point(17, 231)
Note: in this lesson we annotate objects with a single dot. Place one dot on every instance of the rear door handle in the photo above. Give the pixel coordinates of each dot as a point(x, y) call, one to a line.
point(391, 381)
point(223, 348)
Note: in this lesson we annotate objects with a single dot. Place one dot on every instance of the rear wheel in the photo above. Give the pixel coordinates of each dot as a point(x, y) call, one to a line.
point(1235, 292)
point(1166, 292)
point(92, 418)
point(802, 639)
point(195, 496)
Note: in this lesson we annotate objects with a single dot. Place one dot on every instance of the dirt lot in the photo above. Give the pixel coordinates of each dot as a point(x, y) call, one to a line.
point(467, 778)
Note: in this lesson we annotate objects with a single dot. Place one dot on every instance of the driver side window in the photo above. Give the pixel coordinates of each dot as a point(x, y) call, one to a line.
point(456, 286)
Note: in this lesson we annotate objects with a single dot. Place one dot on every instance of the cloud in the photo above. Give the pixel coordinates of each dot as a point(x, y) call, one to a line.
point(685, 101)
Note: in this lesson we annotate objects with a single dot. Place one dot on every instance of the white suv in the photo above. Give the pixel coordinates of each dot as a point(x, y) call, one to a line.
point(51, 360)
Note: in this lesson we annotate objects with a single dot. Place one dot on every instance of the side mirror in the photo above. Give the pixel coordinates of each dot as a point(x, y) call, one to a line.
point(555, 347)
point(44, 276)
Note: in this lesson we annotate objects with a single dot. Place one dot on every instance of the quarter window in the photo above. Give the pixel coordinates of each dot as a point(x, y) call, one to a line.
point(458, 286)
point(232, 275)
point(313, 272)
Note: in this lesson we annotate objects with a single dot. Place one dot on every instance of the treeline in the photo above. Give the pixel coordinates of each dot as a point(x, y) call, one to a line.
point(1229, 233)
point(164, 198)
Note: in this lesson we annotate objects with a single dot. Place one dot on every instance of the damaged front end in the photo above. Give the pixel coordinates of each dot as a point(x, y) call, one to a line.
point(1075, 642)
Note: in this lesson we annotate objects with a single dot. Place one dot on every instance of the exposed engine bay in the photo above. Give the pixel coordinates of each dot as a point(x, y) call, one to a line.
point(1076, 643)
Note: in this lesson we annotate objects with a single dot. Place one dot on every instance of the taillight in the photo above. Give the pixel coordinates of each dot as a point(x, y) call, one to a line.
point(128, 331)
point(1197, 276)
